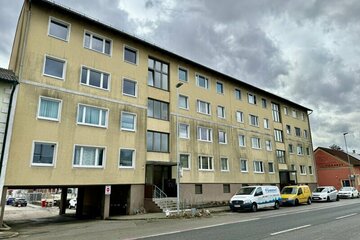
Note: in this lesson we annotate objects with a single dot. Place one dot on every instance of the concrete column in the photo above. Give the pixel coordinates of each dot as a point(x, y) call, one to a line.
point(63, 199)
point(80, 201)
point(3, 202)
point(105, 212)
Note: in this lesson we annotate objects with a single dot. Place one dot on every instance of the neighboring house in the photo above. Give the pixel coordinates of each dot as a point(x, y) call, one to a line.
point(333, 168)
point(97, 110)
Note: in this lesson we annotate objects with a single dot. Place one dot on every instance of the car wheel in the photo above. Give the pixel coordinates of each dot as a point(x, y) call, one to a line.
point(309, 201)
point(328, 199)
point(296, 202)
point(254, 207)
point(337, 198)
point(277, 205)
point(352, 196)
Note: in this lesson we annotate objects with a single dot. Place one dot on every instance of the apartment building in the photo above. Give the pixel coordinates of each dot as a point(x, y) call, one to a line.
point(98, 109)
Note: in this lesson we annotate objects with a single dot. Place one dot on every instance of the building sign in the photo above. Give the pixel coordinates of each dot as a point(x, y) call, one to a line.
point(107, 190)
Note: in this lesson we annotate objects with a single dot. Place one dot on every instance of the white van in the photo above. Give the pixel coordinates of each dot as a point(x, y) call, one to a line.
point(256, 197)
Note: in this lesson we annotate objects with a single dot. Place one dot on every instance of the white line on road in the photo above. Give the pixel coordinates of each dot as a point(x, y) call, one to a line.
point(289, 230)
point(345, 216)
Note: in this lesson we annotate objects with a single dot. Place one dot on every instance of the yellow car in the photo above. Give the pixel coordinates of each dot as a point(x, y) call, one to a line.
point(295, 195)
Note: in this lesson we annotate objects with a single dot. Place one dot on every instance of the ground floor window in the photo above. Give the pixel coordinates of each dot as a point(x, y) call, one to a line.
point(226, 188)
point(198, 189)
point(345, 183)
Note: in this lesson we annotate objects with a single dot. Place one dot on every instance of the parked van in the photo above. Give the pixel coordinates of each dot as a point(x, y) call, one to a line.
point(256, 197)
point(294, 195)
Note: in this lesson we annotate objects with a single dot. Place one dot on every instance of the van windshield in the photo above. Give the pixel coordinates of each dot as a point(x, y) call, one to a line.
point(289, 190)
point(246, 191)
point(320, 189)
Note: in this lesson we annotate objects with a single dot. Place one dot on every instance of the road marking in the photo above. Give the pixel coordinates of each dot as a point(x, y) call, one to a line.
point(191, 229)
point(289, 230)
point(345, 216)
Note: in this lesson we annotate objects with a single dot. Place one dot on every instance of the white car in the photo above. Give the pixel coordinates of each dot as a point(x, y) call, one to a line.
point(348, 192)
point(325, 193)
point(72, 203)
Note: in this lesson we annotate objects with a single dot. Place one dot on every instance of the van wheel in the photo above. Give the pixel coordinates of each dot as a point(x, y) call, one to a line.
point(296, 202)
point(328, 199)
point(337, 198)
point(254, 207)
point(277, 205)
point(309, 201)
point(352, 196)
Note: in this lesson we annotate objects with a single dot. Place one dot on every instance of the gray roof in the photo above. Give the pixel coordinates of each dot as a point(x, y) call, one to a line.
point(7, 76)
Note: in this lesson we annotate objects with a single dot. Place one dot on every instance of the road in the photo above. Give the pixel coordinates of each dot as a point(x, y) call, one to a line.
point(334, 220)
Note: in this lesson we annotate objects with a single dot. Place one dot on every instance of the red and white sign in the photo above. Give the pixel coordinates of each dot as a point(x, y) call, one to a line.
point(107, 190)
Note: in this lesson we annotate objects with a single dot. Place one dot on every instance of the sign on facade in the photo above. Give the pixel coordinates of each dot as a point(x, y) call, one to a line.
point(107, 190)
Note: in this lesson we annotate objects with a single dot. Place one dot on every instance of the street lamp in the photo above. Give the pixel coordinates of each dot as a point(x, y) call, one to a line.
point(348, 157)
point(178, 85)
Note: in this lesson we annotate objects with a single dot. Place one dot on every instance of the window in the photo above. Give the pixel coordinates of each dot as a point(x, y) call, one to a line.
point(239, 116)
point(302, 170)
point(275, 112)
point(255, 143)
point(310, 170)
point(158, 109)
point(49, 109)
point(251, 98)
point(203, 107)
point(198, 189)
point(184, 131)
point(221, 112)
point(224, 163)
point(297, 132)
point(219, 87)
point(202, 81)
point(254, 120)
point(97, 43)
point(243, 165)
point(238, 94)
point(89, 156)
point(43, 154)
point(291, 149)
point(205, 163)
point(129, 88)
point(92, 116)
point(288, 129)
point(271, 167)
point(280, 156)
point(268, 145)
point(222, 137)
point(59, 29)
point(130, 55)
point(94, 78)
point(286, 111)
point(294, 113)
point(263, 103)
point(54, 67)
point(293, 167)
point(185, 161)
point(158, 74)
point(204, 134)
point(258, 167)
point(278, 135)
point(127, 158)
point(242, 141)
point(266, 123)
point(183, 102)
point(157, 142)
point(226, 188)
point(305, 133)
point(183, 74)
point(302, 116)
point(299, 150)
point(128, 121)
point(307, 151)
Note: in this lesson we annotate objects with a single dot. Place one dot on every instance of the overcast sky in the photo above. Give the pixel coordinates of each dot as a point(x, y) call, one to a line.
point(305, 51)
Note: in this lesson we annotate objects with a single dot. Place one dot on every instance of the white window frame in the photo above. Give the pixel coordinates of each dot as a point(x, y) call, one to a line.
point(209, 133)
point(268, 147)
point(210, 159)
point(208, 107)
point(273, 166)
point(288, 129)
point(305, 133)
point(246, 165)
point(88, 77)
point(187, 74)
point(225, 136)
point(132, 160)
point(256, 120)
point(187, 101)
point(311, 170)
point(264, 103)
point(187, 131)
point(207, 81)
point(296, 132)
point(241, 114)
point(56, 59)
point(221, 112)
point(88, 166)
point(223, 90)
point(136, 87)
point(266, 123)
point(51, 18)
point(189, 160)
point(125, 46)
point(227, 164)
point(286, 112)
point(292, 148)
point(280, 136)
point(92, 34)
point(235, 90)
point(92, 125)
point(244, 140)
point(301, 148)
point(43, 164)
point(59, 109)
point(255, 143)
point(253, 97)
point(262, 170)
point(294, 113)
point(135, 121)
point(302, 170)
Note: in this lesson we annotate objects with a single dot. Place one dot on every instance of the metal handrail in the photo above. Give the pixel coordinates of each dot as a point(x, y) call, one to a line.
point(158, 193)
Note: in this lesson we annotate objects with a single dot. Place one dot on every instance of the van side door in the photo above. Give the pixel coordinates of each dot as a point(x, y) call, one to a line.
point(259, 197)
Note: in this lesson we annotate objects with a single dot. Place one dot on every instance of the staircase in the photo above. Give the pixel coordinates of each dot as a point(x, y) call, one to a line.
point(164, 202)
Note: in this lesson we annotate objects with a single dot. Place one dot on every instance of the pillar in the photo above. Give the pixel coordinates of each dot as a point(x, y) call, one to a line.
point(105, 212)
point(3, 202)
point(63, 201)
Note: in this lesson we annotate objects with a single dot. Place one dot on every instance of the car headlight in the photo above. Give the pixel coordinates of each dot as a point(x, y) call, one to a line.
point(247, 201)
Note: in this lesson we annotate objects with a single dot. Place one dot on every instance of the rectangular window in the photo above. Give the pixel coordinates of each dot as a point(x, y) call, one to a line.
point(280, 156)
point(43, 154)
point(310, 170)
point(263, 103)
point(258, 167)
point(97, 43)
point(307, 151)
point(127, 158)
point(184, 131)
point(226, 188)
point(266, 123)
point(158, 109)
point(183, 102)
point(220, 87)
point(278, 135)
point(183, 74)
point(129, 88)
point(89, 156)
point(271, 167)
point(294, 113)
point(302, 170)
point(202, 81)
point(130, 55)
point(203, 107)
point(49, 109)
point(268, 145)
point(93, 116)
point(242, 141)
point(288, 129)
point(222, 137)
point(158, 74)
point(254, 120)
point(59, 29)
point(297, 132)
point(128, 121)
point(54, 67)
point(299, 149)
point(94, 78)
point(291, 148)
point(286, 111)
point(293, 167)
point(251, 98)
point(238, 94)
point(204, 134)
point(221, 112)
point(243, 165)
point(302, 116)
point(275, 112)
point(239, 116)
point(157, 142)
point(224, 163)
point(198, 189)
point(185, 161)
point(305, 133)
point(205, 163)
point(255, 143)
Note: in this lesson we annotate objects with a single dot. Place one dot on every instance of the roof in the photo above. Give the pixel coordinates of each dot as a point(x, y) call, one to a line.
point(7, 76)
point(354, 159)
point(52, 3)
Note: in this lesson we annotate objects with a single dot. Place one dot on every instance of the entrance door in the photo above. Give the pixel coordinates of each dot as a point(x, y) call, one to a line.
point(160, 175)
